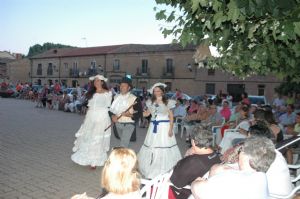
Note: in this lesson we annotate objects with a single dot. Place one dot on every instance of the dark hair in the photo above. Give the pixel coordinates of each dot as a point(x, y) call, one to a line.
point(245, 108)
point(298, 114)
point(89, 95)
point(259, 114)
point(292, 106)
point(245, 94)
point(269, 117)
point(164, 97)
point(260, 129)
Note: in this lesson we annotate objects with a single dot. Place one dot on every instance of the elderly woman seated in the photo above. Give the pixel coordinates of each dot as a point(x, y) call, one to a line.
point(248, 181)
point(197, 161)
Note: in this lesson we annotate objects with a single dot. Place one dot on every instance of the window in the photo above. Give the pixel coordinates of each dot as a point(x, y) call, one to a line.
point(210, 72)
point(169, 66)
point(210, 88)
point(261, 89)
point(169, 86)
point(144, 66)
point(93, 64)
point(116, 64)
point(66, 66)
point(39, 69)
point(50, 69)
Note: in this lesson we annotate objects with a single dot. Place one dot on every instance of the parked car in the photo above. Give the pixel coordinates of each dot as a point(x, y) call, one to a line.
point(8, 92)
point(258, 100)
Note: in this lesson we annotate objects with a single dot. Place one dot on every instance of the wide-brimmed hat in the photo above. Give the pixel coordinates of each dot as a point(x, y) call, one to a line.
point(101, 77)
point(156, 85)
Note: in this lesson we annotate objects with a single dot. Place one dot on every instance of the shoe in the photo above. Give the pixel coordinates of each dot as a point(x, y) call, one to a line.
point(92, 168)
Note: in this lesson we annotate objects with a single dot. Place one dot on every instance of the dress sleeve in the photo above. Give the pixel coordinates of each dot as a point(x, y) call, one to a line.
point(171, 104)
point(109, 99)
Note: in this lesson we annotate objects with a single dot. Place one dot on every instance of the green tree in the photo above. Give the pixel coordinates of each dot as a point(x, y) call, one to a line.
point(37, 48)
point(253, 36)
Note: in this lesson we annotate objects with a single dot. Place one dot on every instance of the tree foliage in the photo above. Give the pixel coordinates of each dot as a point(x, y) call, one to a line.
point(37, 48)
point(252, 36)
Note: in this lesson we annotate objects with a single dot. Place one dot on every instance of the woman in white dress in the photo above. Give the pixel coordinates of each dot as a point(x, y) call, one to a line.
point(159, 152)
point(92, 142)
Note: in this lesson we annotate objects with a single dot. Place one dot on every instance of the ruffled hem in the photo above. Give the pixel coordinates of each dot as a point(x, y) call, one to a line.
point(155, 161)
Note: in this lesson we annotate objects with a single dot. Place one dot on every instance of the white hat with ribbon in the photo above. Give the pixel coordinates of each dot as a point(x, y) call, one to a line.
point(101, 77)
point(156, 85)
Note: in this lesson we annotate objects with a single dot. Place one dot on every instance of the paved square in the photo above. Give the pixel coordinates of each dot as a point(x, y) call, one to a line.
point(35, 149)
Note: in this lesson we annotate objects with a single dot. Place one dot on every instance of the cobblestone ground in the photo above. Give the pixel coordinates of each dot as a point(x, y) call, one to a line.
point(35, 150)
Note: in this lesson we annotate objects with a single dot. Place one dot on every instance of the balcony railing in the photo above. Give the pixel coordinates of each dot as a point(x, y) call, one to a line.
point(140, 72)
point(74, 73)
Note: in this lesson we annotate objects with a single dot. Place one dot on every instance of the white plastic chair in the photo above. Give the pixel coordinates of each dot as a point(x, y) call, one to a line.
point(178, 121)
point(157, 188)
point(216, 131)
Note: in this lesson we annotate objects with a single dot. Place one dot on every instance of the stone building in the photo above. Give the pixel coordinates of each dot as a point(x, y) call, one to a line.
point(146, 65)
point(5, 58)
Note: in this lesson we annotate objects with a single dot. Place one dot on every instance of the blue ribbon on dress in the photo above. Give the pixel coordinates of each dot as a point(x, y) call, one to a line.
point(156, 123)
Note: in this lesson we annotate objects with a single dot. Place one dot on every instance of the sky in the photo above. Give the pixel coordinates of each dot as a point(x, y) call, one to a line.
point(81, 23)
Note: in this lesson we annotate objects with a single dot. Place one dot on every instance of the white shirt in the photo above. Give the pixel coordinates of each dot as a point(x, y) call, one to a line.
point(279, 180)
point(234, 184)
point(278, 102)
point(179, 111)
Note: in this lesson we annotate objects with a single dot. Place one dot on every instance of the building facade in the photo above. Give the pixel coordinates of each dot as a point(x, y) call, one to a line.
point(146, 65)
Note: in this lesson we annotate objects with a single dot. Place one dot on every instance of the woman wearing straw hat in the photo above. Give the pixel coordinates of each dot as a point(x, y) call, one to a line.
point(93, 142)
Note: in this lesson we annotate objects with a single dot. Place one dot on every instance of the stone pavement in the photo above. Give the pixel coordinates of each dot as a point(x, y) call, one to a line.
point(35, 149)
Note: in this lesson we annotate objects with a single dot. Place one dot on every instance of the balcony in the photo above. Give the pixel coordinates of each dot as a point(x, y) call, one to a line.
point(140, 73)
point(74, 73)
point(168, 72)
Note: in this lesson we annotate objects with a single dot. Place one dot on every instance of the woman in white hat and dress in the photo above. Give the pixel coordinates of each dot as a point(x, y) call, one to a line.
point(92, 141)
point(160, 152)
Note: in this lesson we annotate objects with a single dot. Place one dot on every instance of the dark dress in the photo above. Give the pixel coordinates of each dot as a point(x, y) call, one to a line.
point(188, 169)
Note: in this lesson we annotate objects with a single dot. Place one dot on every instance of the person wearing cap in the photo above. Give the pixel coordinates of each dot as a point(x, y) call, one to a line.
point(125, 109)
point(92, 141)
point(160, 152)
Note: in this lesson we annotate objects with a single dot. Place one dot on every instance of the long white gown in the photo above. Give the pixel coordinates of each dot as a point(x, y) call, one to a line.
point(159, 153)
point(92, 142)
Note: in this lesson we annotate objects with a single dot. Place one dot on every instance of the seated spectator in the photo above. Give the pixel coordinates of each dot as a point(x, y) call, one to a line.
point(288, 118)
point(120, 177)
point(293, 130)
point(202, 114)
point(225, 111)
point(64, 99)
point(278, 175)
point(198, 160)
point(193, 108)
point(179, 110)
point(247, 182)
point(275, 128)
point(245, 99)
point(228, 138)
point(214, 117)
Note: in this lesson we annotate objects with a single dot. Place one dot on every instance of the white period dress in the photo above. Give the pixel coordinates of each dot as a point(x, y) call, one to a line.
point(159, 153)
point(92, 142)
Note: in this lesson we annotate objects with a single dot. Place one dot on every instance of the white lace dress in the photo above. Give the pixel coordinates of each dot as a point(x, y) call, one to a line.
point(159, 153)
point(92, 143)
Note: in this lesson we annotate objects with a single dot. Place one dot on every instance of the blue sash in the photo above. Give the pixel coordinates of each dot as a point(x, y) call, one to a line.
point(156, 123)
